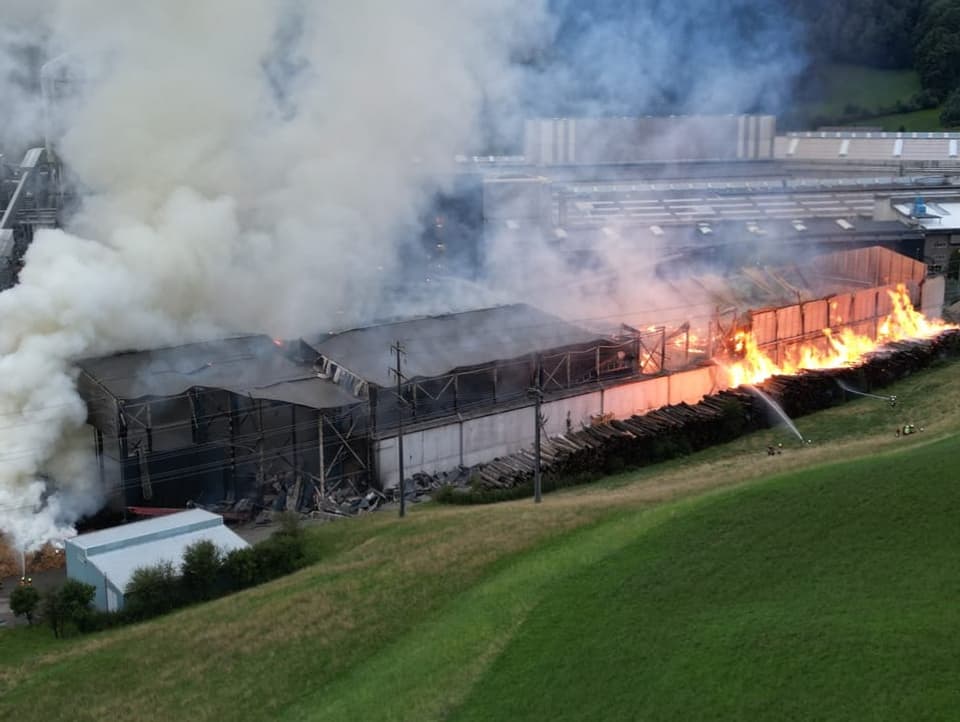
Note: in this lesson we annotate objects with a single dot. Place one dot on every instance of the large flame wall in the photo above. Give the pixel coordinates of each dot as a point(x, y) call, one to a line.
point(828, 333)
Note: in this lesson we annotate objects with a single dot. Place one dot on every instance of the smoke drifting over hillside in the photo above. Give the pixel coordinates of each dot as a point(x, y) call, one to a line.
point(259, 165)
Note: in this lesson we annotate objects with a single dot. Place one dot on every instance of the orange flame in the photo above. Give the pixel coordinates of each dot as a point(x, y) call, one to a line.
point(688, 340)
point(834, 349)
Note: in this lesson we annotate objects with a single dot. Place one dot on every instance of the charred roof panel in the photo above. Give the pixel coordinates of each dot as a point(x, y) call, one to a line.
point(249, 365)
point(437, 345)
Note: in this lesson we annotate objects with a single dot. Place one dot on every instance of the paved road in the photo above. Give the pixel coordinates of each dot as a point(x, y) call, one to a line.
point(42, 581)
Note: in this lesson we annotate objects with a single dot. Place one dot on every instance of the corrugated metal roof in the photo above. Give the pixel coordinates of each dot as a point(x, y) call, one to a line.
point(119, 565)
point(438, 345)
point(149, 527)
point(250, 365)
point(943, 215)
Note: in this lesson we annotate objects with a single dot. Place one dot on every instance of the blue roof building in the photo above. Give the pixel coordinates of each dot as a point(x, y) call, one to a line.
point(106, 559)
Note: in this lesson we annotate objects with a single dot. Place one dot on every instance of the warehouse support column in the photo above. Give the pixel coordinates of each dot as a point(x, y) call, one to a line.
point(398, 348)
point(537, 392)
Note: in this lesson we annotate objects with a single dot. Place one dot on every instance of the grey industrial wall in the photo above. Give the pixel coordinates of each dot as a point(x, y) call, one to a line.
point(479, 438)
point(561, 141)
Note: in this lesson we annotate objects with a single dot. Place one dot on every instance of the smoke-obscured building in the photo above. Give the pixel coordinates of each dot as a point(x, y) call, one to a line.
point(29, 200)
point(598, 141)
point(248, 422)
point(220, 421)
point(929, 149)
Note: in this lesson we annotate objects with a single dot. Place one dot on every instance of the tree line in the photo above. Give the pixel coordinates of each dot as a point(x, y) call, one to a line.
point(920, 34)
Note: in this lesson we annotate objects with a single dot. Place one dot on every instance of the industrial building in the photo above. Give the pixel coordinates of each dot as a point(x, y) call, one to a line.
point(932, 149)
point(241, 418)
point(29, 199)
point(221, 421)
point(250, 423)
point(107, 559)
point(596, 141)
point(937, 216)
point(712, 181)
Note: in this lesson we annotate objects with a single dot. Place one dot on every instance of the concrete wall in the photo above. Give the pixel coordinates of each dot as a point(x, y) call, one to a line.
point(560, 141)
point(932, 294)
point(476, 440)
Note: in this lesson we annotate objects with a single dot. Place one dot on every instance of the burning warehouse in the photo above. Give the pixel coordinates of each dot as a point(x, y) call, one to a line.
point(248, 422)
point(221, 421)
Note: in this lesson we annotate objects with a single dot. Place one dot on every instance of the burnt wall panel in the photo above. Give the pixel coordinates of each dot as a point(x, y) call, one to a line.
point(864, 305)
point(815, 316)
point(583, 366)
point(615, 360)
point(789, 322)
point(211, 409)
point(475, 387)
point(514, 380)
point(841, 309)
point(101, 406)
point(556, 371)
point(171, 423)
point(884, 302)
point(195, 474)
point(764, 325)
point(435, 397)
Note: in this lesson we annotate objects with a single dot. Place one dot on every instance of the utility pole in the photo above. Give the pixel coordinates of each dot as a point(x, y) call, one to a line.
point(537, 392)
point(398, 349)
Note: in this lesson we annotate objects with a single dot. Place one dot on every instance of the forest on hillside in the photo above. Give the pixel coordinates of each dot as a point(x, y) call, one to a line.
point(920, 34)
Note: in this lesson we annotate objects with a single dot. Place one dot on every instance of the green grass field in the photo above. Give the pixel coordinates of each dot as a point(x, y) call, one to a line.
point(727, 585)
point(828, 593)
point(920, 120)
point(874, 91)
point(868, 88)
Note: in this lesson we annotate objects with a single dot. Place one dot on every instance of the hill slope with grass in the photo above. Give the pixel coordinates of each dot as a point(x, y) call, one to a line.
point(859, 95)
point(828, 593)
point(728, 584)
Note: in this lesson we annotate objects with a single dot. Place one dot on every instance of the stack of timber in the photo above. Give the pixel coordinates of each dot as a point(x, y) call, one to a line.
point(683, 428)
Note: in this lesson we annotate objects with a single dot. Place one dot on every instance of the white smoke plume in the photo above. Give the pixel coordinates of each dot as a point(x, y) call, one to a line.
point(23, 34)
point(250, 165)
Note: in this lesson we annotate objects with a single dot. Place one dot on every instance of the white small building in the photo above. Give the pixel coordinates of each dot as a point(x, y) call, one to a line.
point(106, 559)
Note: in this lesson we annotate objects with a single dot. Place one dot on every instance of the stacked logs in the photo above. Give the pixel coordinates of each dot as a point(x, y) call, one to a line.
point(683, 428)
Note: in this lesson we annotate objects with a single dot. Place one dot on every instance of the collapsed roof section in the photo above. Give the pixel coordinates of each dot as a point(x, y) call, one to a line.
point(439, 345)
point(253, 366)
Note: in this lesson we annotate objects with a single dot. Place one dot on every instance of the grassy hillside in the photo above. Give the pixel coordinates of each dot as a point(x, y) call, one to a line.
point(920, 120)
point(859, 95)
point(828, 593)
point(869, 88)
point(419, 619)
